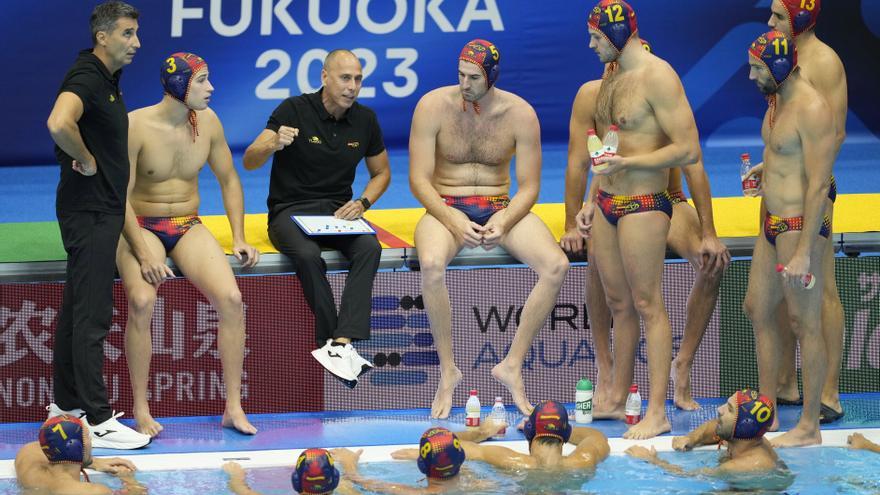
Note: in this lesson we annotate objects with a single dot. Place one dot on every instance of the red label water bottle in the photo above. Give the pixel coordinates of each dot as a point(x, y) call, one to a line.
point(596, 149)
point(750, 182)
point(633, 409)
point(472, 410)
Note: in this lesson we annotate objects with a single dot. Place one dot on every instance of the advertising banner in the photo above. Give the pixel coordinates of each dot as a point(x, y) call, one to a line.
point(280, 375)
point(262, 51)
point(486, 309)
point(186, 376)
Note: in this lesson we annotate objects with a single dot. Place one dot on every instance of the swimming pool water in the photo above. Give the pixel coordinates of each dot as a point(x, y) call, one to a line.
point(813, 471)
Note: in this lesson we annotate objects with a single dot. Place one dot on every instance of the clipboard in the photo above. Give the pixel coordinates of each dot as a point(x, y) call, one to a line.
point(330, 225)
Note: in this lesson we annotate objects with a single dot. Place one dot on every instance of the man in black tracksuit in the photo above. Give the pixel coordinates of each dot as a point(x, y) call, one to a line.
point(89, 124)
point(316, 141)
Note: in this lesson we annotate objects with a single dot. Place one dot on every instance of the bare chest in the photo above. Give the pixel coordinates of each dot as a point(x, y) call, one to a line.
point(466, 138)
point(621, 102)
point(173, 155)
point(782, 138)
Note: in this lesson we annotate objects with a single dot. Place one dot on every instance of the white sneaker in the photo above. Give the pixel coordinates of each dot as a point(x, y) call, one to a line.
point(359, 365)
point(337, 360)
point(112, 434)
point(55, 411)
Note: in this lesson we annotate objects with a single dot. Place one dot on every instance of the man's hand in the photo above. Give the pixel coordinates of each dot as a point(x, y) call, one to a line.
point(155, 272)
point(85, 168)
point(585, 219)
point(346, 458)
point(234, 470)
point(796, 269)
point(490, 427)
point(113, 465)
point(858, 441)
point(640, 452)
point(350, 211)
point(246, 254)
point(132, 488)
point(615, 164)
point(714, 256)
point(485, 431)
point(572, 241)
point(465, 231)
point(494, 231)
point(285, 136)
point(682, 444)
point(130, 485)
point(405, 454)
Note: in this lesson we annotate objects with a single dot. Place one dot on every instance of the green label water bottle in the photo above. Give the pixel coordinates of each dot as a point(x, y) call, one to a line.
point(583, 411)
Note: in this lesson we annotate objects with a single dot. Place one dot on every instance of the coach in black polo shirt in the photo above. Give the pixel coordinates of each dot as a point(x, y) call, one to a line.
point(89, 125)
point(317, 140)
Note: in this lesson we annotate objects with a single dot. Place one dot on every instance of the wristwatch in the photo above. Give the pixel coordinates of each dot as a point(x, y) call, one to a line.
point(365, 202)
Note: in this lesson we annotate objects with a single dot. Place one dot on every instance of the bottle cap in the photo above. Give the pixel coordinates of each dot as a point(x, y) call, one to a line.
point(745, 156)
point(499, 399)
point(613, 128)
point(473, 391)
point(584, 384)
point(591, 132)
point(633, 388)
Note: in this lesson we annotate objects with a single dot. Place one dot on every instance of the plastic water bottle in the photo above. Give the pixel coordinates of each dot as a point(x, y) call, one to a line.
point(611, 141)
point(583, 398)
point(633, 408)
point(807, 280)
point(749, 181)
point(594, 145)
point(472, 410)
point(499, 415)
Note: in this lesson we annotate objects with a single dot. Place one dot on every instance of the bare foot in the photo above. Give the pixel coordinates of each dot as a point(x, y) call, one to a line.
point(798, 437)
point(239, 421)
point(681, 380)
point(443, 397)
point(648, 428)
point(146, 424)
point(609, 411)
point(512, 379)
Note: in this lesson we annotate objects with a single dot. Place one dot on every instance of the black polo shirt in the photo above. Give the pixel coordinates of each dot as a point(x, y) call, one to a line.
point(321, 161)
point(104, 129)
